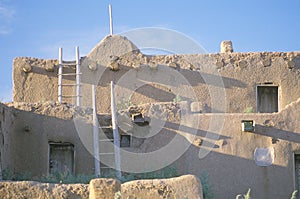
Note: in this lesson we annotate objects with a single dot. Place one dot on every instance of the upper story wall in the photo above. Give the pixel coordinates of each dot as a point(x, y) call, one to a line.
point(225, 82)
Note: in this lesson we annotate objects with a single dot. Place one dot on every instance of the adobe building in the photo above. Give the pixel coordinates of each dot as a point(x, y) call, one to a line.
point(232, 115)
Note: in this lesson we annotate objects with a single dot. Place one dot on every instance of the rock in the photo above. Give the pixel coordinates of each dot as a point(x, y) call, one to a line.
point(114, 66)
point(191, 66)
point(92, 67)
point(219, 64)
point(50, 66)
point(198, 142)
point(136, 65)
point(104, 188)
point(266, 62)
point(291, 64)
point(187, 186)
point(226, 47)
point(173, 65)
point(242, 64)
point(153, 65)
point(31, 189)
point(26, 68)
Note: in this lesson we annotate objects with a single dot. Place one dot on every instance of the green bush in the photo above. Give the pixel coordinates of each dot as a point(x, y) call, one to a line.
point(249, 110)
point(206, 186)
point(67, 178)
point(167, 172)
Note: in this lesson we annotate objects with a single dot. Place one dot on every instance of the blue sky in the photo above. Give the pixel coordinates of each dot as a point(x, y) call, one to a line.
point(38, 28)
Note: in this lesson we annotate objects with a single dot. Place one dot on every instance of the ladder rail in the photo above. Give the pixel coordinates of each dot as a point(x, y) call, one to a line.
point(115, 131)
point(77, 74)
point(96, 134)
point(60, 75)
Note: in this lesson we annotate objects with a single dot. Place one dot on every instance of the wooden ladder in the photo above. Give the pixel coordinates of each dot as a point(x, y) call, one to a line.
point(74, 65)
point(107, 141)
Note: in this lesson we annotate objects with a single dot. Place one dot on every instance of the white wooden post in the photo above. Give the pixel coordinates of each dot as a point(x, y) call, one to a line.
point(96, 133)
point(115, 132)
point(110, 20)
point(78, 97)
point(60, 75)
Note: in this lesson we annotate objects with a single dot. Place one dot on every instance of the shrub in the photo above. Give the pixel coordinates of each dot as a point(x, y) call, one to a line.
point(248, 110)
point(206, 186)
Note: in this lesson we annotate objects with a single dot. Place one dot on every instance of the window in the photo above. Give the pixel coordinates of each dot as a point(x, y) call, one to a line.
point(267, 98)
point(297, 173)
point(61, 158)
point(125, 141)
point(248, 125)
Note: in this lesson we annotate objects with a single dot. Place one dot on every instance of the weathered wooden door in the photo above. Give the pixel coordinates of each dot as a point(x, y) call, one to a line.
point(61, 158)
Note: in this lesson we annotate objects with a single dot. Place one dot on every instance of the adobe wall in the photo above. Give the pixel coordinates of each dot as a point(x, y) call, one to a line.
point(187, 186)
point(115, 58)
point(28, 129)
point(6, 124)
point(230, 162)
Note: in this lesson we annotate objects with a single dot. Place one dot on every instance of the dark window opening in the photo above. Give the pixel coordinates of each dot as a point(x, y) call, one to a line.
point(248, 125)
point(61, 158)
point(267, 99)
point(125, 141)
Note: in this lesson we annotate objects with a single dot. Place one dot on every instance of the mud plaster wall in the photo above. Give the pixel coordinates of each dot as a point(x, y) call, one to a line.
point(28, 129)
point(230, 164)
point(6, 124)
point(142, 79)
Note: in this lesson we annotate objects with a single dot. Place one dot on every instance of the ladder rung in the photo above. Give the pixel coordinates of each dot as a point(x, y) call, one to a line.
point(105, 127)
point(69, 96)
point(105, 167)
point(106, 140)
point(69, 85)
point(69, 74)
point(69, 62)
point(106, 153)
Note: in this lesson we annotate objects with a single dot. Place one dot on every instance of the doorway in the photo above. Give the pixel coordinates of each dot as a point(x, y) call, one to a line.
point(61, 158)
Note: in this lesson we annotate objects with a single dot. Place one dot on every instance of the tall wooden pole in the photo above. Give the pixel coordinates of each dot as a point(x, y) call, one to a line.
point(96, 133)
point(115, 132)
point(110, 20)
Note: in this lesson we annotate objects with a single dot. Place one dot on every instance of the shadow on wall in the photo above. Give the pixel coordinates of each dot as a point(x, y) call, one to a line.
point(229, 174)
point(276, 133)
point(33, 136)
point(193, 77)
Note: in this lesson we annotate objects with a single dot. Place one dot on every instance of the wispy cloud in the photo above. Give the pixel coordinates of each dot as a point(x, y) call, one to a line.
point(6, 13)
point(4, 30)
point(6, 16)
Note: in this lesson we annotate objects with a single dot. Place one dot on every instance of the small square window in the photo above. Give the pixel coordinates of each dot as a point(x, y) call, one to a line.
point(125, 140)
point(248, 125)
